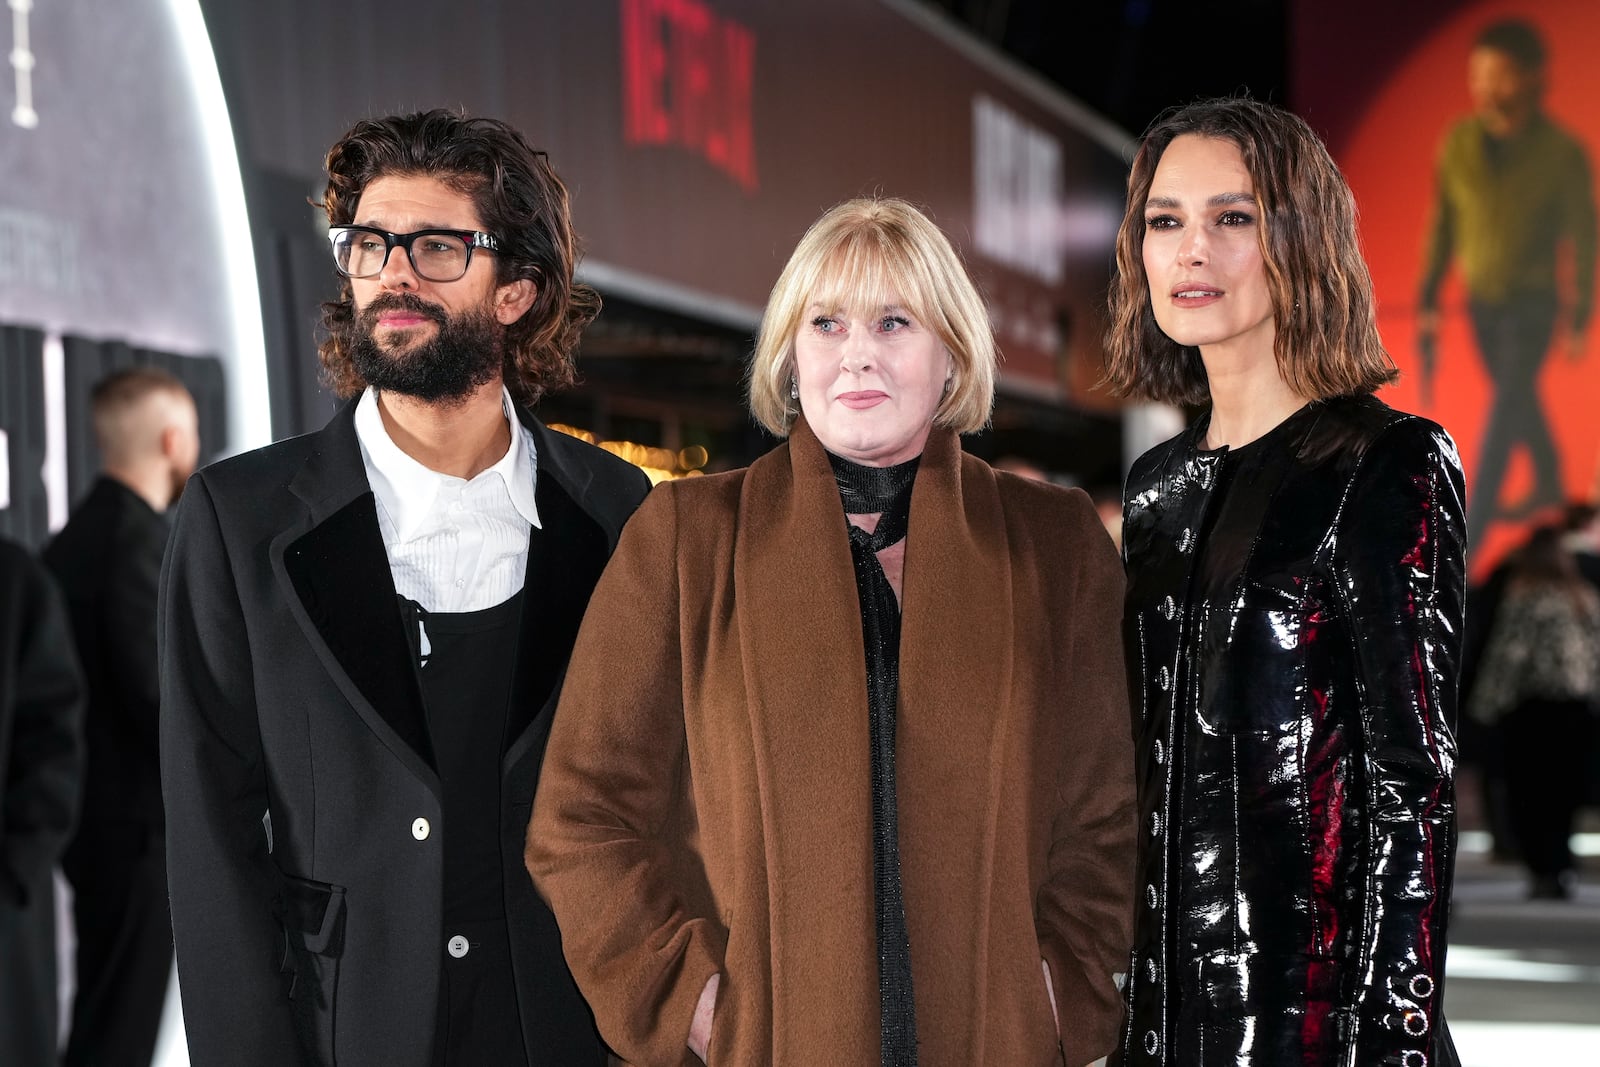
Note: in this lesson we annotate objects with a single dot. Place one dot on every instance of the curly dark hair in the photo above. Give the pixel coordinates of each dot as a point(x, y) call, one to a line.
point(519, 199)
point(1327, 336)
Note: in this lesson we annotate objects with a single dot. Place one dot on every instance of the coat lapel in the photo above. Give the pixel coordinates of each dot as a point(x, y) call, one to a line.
point(335, 576)
point(805, 672)
point(957, 650)
point(799, 621)
point(957, 614)
point(566, 554)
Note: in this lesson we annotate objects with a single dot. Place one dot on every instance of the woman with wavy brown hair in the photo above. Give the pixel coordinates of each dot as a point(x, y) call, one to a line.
point(1293, 619)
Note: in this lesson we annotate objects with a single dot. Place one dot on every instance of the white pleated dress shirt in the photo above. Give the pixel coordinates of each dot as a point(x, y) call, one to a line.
point(454, 544)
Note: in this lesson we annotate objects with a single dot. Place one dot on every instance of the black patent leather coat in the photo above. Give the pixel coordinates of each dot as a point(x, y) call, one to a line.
point(1293, 675)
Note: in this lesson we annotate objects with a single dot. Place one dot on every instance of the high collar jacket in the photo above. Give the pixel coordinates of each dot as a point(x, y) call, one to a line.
point(1292, 659)
point(706, 800)
point(305, 829)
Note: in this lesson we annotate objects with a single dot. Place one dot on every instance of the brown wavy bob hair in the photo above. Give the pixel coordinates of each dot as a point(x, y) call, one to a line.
point(1327, 337)
point(519, 199)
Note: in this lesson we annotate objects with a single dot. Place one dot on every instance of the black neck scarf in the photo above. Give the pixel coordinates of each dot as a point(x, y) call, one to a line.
point(886, 492)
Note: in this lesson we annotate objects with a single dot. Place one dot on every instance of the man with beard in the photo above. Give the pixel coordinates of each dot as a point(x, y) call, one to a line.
point(107, 560)
point(1513, 198)
point(364, 630)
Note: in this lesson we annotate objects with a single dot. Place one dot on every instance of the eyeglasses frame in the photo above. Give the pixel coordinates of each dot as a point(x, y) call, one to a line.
point(475, 239)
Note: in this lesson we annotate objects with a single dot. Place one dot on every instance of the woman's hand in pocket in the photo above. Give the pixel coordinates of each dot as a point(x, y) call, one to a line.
point(700, 1027)
point(1050, 992)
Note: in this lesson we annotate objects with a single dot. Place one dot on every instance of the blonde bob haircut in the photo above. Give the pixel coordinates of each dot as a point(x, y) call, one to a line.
point(1327, 336)
point(861, 256)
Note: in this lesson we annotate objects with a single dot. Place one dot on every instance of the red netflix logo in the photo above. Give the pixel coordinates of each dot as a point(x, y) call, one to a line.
point(686, 81)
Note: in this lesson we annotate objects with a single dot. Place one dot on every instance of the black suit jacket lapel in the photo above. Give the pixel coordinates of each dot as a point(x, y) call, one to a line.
point(342, 593)
point(566, 554)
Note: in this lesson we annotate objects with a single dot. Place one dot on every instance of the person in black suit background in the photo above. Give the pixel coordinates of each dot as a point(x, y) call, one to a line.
point(41, 765)
point(107, 560)
point(363, 633)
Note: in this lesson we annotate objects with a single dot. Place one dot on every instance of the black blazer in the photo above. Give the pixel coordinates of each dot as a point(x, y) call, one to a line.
point(107, 560)
point(41, 762)
point(304, 830)
point(41, 728)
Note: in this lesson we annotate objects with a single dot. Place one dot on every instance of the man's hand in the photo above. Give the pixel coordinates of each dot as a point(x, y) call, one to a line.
point(1573, 344)
point(1050, 991)
point(700, 1028)
point(1428, 352)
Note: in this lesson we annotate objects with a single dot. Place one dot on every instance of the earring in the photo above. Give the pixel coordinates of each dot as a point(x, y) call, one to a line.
point(794, 388)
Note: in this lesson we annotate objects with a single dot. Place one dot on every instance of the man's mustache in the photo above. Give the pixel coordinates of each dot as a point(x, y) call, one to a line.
point(402, 302)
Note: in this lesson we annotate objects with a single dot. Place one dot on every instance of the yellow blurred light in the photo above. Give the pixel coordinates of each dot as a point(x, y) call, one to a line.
point(658, 464)
point(573, 431)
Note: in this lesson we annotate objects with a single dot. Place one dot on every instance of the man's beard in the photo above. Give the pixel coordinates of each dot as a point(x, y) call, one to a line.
point(466, 352)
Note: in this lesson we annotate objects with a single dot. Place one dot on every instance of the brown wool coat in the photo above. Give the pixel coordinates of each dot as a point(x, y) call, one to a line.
point(704, 803)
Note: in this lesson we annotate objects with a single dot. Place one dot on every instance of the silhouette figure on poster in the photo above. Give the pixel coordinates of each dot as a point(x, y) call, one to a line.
point(1512, 198)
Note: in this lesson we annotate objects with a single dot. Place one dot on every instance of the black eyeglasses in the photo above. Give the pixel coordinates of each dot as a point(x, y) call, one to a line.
point(437, 255)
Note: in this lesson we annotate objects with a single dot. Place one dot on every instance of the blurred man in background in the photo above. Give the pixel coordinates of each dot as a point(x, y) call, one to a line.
point(107, 560)
point(41, 764)
point(1513, 196)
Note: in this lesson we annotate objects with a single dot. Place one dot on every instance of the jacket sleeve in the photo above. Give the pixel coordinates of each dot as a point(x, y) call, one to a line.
point(1401, 555)
point(129, 637)
point(221, 878)
point(42, 778)
point(1439, 243)
point(1085, 908)
point(609, 842)
point(1578, 223)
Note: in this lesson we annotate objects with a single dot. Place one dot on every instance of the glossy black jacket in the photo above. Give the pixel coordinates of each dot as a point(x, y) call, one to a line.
point(1293, 674)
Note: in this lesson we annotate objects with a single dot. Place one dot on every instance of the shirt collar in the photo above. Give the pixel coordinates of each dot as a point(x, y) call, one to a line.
point(406, 489)
point(519, 466)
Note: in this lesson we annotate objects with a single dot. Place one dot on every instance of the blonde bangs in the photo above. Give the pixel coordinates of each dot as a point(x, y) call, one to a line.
point(865, 275)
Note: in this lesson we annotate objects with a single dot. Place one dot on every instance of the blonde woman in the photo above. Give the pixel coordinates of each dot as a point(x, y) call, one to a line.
point(842, 769)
